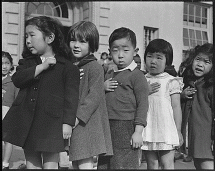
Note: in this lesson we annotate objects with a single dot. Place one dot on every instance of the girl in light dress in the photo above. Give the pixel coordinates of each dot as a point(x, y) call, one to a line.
point(163, 131)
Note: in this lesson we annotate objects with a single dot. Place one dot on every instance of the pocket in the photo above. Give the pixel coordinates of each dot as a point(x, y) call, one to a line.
point(54, 106)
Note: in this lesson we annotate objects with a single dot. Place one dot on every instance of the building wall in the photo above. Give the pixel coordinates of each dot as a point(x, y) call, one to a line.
point(12, 28)
point(167, 16)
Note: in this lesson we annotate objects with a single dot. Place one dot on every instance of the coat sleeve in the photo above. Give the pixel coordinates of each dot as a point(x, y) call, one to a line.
point(71, 94)
point(24, 75)
point(91, 102)
point(141, 92)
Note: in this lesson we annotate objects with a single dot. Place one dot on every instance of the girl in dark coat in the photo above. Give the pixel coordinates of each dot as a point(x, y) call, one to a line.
point(197, 104)
point(44, 112)
point(91, 135)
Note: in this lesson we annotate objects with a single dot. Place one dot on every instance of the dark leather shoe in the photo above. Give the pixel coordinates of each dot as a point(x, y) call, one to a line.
point(187, 159)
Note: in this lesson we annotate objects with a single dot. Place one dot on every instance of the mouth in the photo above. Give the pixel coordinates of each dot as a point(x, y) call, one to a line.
point(152, 67)
point(76, 51)
point(198, 70)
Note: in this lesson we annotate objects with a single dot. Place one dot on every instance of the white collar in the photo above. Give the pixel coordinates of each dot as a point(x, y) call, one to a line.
point(131, 67)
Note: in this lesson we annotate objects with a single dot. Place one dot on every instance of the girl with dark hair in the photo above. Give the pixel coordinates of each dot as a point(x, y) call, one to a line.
point(91, 134)
point(163, 131)
point(9, 93)
point(197, 105)
point(44, 112)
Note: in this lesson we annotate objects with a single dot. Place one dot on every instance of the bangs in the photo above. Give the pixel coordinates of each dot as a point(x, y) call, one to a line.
point(80, 33)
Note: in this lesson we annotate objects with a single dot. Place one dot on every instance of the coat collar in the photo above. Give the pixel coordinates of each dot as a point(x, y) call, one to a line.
point(38, 59)
point(7, 79)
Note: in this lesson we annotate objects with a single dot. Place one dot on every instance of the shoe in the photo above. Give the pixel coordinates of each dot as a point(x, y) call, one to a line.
point(5, 168)
point(187, 159)
point(22, 166)
point(178, 156)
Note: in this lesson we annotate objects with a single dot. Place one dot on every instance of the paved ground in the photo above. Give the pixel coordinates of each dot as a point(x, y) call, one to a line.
point(18, 158)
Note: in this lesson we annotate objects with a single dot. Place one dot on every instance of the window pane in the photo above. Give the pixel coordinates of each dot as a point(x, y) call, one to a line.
point(205, 36)
point(31, 8)
point(191, 34)
point(64, 10)
point(205, 42)
point(185, 8)
point(204, 21)
point(48, 10)
point(40, 9)
point(198, 11)
point(186, 42)
point(185, 18)
point(191, 9)
point(185, 33)
point(198, 35)
point(199, 42)
point(198, 20)
point(193, 43)
point(191, 19)
point(204, 12)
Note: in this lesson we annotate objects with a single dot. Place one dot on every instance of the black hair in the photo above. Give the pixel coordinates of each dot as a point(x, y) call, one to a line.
point(85, 30)
point(104, 53)
point(7, 55)
point(47, 26)
point(206, 49)
point(162, 46)
point(123, 33)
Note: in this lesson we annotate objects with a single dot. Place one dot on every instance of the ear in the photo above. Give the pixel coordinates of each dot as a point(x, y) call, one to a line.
point(50, 38)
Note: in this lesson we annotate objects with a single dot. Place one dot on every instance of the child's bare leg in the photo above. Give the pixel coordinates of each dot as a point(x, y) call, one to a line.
point(33, 159)
point(86, 163)
point(167, 159)
point(151, 159)
point(203, 163)
point(50, 160)
point(8, 148)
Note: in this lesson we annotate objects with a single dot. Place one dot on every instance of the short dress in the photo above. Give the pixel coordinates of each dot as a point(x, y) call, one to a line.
point(161, 132)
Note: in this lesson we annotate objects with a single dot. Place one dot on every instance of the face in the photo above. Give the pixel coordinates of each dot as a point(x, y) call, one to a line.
point(104, 56)
point(35, 41)
point(6, 66)
point(122, 52)
point(137, 60)
point(155, 63)
point(201, 65)
point(79, 48)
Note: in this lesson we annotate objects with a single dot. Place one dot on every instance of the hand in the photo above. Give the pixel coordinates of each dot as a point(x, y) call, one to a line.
point(50, 61)
point(188, 93)
point(3, 92)
point(81, 73)
point(154, 87)
point(67, 131)
point(136, 140)
point(110, 84)
point(212, 145)
point(76, 123)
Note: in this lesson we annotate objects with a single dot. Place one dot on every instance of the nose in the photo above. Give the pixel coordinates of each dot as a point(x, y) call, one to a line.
point(153, 61)
point(27, 39)
point(121, 54)
point(200, 64)
point(76, 44)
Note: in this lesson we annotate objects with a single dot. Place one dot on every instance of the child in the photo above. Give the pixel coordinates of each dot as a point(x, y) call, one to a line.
point(9, 93)
point(127, 102)
point(163, 131)
point(104, 58)
point(199, 106)
point(91, 135)
point(44, 112)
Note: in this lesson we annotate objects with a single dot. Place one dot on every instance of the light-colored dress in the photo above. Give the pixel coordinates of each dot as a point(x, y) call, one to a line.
point(161, 132)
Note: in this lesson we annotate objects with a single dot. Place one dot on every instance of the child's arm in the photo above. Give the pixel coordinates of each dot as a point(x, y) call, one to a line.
point(176, 106)
point(72, 81)
point(141, 91)
point(136, 139)
point(90, 103)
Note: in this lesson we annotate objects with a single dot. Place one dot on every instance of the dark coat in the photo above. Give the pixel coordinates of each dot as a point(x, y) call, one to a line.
point(43, 104)
point(92, 135)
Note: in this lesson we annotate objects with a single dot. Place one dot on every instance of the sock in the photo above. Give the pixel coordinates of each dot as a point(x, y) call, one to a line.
point(5, 164)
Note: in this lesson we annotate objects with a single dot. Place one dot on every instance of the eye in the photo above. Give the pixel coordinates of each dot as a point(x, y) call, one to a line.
point(83, 41)
point(207, 61)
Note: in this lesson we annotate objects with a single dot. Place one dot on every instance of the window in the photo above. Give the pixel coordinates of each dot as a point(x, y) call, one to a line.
point(195, 24)
point(55, 9)
point(150, 34)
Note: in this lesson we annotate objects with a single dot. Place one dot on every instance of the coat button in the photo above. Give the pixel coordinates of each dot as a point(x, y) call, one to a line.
point(32, 100)
point(35, 88)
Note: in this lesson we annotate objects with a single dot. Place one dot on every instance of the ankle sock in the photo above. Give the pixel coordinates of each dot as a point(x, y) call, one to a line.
point(5, 164)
